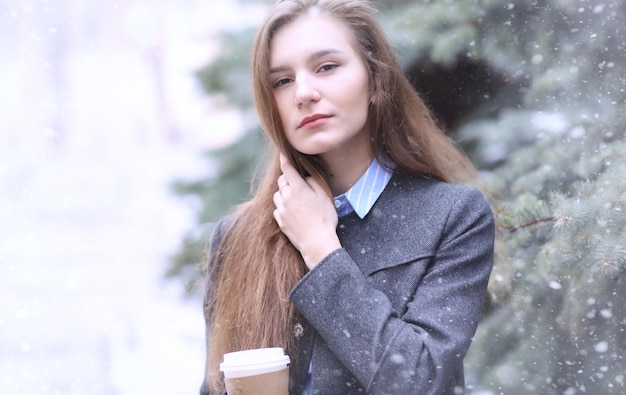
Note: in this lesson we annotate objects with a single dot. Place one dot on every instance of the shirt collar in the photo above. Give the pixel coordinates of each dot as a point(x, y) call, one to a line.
point(362, 196)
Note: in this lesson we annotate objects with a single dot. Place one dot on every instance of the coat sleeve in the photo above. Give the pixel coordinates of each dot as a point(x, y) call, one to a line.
point(208, 289)
point(420, 350)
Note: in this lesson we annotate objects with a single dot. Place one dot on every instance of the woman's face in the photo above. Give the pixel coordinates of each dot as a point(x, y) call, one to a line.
point(321, 86)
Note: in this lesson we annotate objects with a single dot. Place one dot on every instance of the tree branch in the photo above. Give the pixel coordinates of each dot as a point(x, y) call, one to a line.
point(515, 228)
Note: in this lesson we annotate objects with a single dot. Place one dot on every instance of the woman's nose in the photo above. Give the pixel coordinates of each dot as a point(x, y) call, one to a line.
point(306, 91)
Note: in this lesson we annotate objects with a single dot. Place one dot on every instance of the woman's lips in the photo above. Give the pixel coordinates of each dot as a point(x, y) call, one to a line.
point(313, 120)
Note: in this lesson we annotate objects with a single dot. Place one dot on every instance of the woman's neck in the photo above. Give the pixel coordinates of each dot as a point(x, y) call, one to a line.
point(345, 168)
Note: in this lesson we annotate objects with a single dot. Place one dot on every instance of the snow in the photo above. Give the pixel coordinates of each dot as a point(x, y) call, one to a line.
point(99, 113)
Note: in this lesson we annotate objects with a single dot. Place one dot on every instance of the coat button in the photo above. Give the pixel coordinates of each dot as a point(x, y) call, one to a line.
point(298, 330)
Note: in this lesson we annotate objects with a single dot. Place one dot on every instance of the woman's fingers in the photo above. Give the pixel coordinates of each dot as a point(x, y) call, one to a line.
point(290, 174)
point(282, 181)
point(291, 178)
point(277, 218)
point(278, 200)
point(280, 208)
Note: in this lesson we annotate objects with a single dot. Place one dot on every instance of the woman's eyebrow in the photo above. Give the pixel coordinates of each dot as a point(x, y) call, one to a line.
point(312, 57)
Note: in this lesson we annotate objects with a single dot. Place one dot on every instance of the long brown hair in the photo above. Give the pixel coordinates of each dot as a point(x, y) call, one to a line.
point(254, 267)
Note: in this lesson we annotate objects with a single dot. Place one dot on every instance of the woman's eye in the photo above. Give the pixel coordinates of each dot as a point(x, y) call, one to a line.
point(281, 82)
point(328, 67)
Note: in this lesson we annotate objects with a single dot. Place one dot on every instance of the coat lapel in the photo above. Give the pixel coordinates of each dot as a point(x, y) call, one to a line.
point(388, 236)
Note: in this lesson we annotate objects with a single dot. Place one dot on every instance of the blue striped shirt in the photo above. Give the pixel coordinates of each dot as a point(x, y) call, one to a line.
point(362, 196)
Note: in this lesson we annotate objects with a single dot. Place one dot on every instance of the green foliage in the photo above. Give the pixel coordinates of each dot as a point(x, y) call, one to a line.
point(439, 29)
point(556, 322)
point(557, 283)
point(216, 196)
point(233, 185)
point(229, 74)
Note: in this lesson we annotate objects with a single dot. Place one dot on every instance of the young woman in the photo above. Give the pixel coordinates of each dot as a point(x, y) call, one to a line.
point(356, 254)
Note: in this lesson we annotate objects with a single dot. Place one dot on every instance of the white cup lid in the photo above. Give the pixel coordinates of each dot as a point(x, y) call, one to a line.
point(253, 362)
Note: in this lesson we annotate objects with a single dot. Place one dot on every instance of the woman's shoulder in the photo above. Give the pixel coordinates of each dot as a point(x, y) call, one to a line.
point(422, 197)
point(220, 226)
point(223, 223)
point(414, 185)
point(218, 230)
point(237, 217)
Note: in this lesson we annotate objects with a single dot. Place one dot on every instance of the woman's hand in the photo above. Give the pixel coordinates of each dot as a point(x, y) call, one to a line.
point(305, 214)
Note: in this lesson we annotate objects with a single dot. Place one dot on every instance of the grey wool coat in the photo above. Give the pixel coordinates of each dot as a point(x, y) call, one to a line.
point(394, 310)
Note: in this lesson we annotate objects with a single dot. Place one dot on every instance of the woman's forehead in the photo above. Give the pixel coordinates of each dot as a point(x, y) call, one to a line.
point(310, 33)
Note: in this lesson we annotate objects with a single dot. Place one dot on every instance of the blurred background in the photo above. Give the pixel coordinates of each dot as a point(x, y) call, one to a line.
point(127, 130)
point(100, 112)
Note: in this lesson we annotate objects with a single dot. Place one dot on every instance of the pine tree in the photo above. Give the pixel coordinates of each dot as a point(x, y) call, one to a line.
point(557, 323)
point(535, 91)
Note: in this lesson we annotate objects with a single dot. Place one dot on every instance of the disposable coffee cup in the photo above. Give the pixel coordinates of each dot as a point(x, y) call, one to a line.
point(262, 371)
